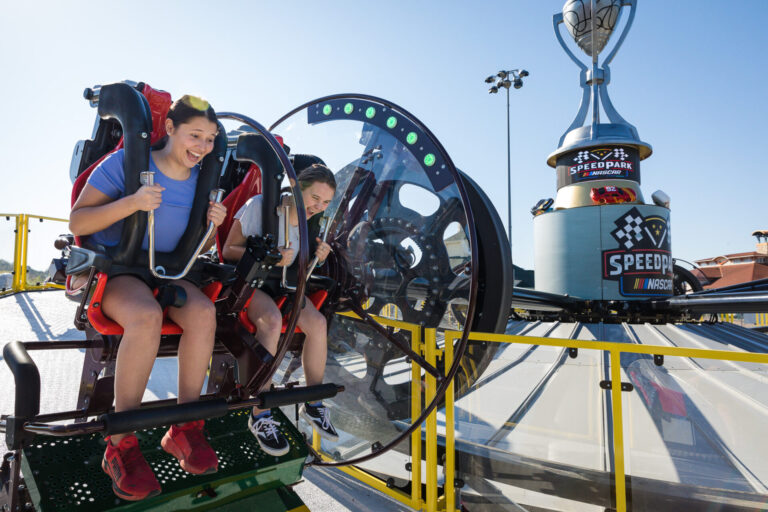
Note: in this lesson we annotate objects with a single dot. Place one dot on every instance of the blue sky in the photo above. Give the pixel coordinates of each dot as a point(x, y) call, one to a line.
point(690, 76)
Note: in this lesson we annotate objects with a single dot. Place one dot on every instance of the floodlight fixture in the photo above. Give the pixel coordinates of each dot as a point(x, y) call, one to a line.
point(507, 78)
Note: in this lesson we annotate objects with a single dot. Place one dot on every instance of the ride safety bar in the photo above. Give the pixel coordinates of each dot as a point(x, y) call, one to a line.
point(148, 178)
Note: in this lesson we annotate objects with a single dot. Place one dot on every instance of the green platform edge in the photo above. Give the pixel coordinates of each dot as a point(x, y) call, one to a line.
point(64, 474)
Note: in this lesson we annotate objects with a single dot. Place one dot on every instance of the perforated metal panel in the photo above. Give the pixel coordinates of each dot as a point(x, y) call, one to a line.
point(66, 475)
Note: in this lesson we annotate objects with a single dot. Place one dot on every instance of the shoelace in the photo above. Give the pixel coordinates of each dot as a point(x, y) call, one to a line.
point(268, 426)
point(325, 415)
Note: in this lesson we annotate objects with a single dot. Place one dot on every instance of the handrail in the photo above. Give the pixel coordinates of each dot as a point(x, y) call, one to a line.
point(447, 500)
point(148, 178)
point(615, 350)
point(21, 241)
point(723, 355)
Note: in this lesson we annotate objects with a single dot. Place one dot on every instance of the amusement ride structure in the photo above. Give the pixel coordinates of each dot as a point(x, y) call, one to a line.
point(434, 356)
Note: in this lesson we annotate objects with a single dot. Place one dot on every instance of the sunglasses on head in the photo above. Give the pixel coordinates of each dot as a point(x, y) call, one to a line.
point(195, 102)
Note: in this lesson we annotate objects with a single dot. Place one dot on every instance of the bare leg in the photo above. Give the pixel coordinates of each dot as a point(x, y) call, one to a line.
point(263, 313)
point(129, 302)
point(198, 319)
point(315, 351)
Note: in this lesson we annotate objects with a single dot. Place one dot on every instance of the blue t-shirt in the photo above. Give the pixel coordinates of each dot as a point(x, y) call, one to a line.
point(171, 217)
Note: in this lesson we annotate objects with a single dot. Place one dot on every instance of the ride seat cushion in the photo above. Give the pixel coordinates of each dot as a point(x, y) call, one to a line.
point(105, 325)
point(171, 217)
point(249, 187)
point(159, 104)
point(317, 297)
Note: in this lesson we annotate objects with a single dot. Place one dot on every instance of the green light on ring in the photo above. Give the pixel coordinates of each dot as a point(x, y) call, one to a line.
point(348, 108)
point(327, 109)
point(391, 122)
point(411, 138)
point(429, 160)
point(370, 112)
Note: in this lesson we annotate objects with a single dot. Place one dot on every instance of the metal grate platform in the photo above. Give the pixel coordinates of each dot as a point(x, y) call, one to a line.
point(64, 474)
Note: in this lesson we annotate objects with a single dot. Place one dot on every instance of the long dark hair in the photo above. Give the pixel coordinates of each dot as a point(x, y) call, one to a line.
point(184, 109)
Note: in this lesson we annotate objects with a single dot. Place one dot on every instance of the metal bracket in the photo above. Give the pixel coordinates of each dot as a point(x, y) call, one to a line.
point(625, 386)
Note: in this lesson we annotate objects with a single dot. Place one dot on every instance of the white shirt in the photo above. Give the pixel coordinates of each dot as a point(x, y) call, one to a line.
point(250, 217)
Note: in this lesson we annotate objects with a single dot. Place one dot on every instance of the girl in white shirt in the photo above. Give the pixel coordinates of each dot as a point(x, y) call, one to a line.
point(318, 186)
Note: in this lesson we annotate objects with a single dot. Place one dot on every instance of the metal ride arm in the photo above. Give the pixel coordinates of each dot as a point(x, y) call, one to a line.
point(269, 154)
point(287, 244)
point(148, 178)
point(316, 260)
point(380, 196)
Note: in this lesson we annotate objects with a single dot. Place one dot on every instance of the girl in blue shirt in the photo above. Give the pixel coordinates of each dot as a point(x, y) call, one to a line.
point(99, 212)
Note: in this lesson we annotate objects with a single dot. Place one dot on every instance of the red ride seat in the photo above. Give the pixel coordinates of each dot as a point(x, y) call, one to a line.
point(159, 103)
point(249, 187)
point(104, 325)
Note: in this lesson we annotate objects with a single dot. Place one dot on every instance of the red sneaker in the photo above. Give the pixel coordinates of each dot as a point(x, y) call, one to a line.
point(187, 443)
point(132, 478)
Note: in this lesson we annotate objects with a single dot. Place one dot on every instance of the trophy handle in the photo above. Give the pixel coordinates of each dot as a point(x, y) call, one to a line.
point(557, 19)
point(633, 7)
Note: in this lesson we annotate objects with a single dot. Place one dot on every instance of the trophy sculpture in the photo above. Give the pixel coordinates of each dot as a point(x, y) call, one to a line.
point(598, 239)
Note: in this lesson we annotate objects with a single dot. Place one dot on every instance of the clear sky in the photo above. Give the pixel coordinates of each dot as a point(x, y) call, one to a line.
point(691, 76)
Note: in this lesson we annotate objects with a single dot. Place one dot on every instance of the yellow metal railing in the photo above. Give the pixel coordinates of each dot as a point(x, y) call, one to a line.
point(425, 342)
point(425, 345)
point(761, 319)
point(21, 244)
point(615, 350)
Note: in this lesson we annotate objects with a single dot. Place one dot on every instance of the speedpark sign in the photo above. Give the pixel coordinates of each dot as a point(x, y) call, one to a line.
point(642, 262)
point(598, 163)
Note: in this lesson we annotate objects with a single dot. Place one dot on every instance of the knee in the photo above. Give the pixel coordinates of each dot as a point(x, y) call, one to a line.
point(146, 317)
point(202, 314)
point(315, 324)
point(271, 321)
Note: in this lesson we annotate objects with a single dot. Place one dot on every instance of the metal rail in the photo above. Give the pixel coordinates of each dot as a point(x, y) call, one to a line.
point(21, 243)
point(614, 350)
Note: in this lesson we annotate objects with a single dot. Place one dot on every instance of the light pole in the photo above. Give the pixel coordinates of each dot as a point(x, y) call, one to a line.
point(505, 79)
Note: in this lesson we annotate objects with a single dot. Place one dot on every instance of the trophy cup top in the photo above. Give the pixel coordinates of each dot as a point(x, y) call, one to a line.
point(591, 24)
point(577, 15)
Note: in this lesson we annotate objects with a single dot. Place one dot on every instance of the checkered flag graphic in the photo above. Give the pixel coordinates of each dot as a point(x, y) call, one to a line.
point(630, 231)
point(620, 153)
point(582, 156)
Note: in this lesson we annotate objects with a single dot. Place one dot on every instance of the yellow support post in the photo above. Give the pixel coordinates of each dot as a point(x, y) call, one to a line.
point(17, 251)
point(430, 346)
point(450, 449)
point(24, 242)
point(618, 431)
point(416, 346)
